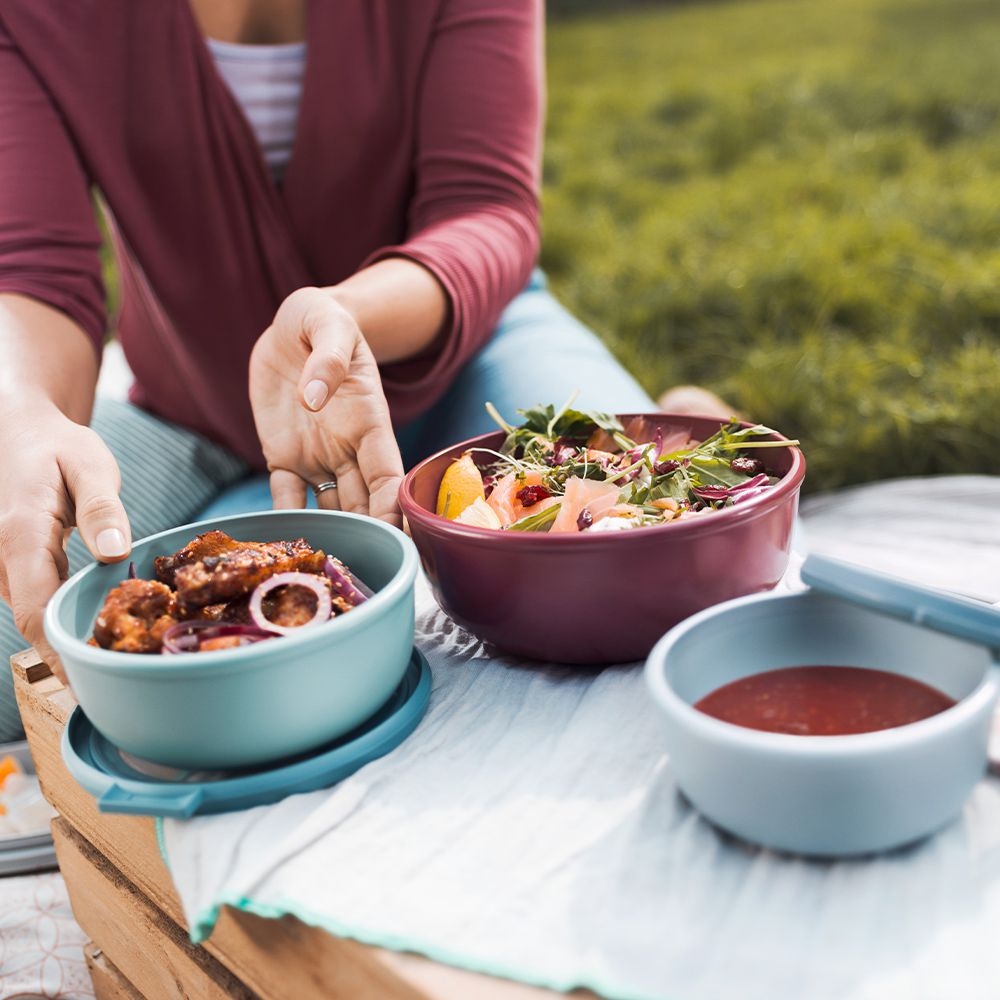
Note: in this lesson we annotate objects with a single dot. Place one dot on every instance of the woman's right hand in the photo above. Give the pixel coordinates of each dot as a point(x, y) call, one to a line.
point(55, 474)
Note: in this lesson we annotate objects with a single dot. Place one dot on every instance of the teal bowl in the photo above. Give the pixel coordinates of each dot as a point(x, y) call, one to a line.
point(239, 707)
point(822, 795)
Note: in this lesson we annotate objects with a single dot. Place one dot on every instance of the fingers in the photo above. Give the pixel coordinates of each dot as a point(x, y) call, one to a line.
point(36, 566)
point(332, 336)
point(331, 499)
point(288, 491)
point(92, 479)
point(351, 493)
point(363, 490)
point(318, 340)
point(382, 467)
point(37, 573)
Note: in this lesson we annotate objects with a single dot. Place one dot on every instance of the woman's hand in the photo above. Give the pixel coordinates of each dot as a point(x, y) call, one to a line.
point(55, 474)
point(320, 411)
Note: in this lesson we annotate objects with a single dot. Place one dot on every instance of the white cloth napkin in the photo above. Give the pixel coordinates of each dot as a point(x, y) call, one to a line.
point(530, 828)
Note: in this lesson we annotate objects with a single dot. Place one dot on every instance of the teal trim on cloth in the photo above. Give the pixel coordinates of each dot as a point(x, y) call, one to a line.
point(206, 921)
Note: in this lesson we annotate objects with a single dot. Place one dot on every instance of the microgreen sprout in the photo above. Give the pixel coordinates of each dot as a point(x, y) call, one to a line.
point(564, 444)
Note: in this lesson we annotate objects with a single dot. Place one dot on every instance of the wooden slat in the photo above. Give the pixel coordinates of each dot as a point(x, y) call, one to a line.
point(146, 946)
point(129, 842)
point(279, 959)
point(109, 983)
point(271, 955)
point(29, 666)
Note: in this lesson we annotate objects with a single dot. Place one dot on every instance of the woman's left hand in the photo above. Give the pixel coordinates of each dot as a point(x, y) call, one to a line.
point(320, 411)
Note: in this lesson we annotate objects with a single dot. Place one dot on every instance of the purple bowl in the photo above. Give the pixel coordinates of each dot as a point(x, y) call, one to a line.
point(606, 597)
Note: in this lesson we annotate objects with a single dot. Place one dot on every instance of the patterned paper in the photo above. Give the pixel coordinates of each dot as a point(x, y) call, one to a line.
point(41, 945)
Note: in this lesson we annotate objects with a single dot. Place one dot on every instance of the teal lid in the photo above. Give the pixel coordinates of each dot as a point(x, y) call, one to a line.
point(123, 784)
point(933, 609)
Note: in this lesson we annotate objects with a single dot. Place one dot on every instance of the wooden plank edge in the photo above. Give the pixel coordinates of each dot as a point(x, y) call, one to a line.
point(109, 983)
point(29, 666)
point(147, 947)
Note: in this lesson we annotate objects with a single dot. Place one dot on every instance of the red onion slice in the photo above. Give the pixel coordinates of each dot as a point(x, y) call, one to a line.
point(757, 485)
point(187, 637)
point(344, 583)
point(324, 604)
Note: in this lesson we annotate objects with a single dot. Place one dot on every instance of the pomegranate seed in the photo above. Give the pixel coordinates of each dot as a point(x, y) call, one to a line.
point(530, 495)
point(747, 466)
point(585, 520)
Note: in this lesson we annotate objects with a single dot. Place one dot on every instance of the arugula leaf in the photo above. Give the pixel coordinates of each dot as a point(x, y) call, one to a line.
point(732, 437)
point(715, 471)
point(537, 418)
point(538, 521)
point(673, 486)
point(576, 425)
point(548, 424)
point(584, 470)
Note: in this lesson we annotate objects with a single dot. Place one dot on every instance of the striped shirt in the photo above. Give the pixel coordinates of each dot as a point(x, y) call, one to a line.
point(266, 81)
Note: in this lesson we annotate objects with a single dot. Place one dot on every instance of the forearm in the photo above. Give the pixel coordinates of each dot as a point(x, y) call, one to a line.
point(45, 357)
point(399, 305)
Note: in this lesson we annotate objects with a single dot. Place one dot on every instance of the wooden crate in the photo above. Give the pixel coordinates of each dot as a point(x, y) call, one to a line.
point(123, 899)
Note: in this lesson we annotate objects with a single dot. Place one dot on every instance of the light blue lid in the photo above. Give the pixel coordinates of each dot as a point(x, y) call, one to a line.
point(934, 609)
point(123, 785)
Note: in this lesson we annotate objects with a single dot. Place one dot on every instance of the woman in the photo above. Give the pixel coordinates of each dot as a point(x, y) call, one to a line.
point(340, 199)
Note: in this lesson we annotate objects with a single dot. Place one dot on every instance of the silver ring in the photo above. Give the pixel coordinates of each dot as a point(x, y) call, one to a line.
point(330, 484)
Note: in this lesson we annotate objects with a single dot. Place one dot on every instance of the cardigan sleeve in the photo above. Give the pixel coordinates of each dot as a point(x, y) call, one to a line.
point(49, 240)
point(473, 221)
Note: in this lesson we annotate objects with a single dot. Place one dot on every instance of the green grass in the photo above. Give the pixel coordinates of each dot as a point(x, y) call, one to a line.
point(797, 204)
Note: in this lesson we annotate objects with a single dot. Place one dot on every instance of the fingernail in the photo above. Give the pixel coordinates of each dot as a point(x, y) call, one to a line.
point(315, 394)
point(110, 543)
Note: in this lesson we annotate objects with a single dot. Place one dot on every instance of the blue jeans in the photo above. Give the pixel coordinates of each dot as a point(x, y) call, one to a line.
point(539, 354)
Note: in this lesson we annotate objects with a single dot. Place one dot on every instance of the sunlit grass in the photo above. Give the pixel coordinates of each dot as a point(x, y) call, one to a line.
point(797, 203)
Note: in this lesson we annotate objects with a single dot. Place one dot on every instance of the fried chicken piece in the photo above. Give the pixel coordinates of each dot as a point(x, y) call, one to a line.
point(221, 642)
point(134, 617)
point(216, 569)
point(212, 544)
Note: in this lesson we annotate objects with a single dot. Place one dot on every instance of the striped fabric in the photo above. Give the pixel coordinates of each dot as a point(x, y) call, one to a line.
point(157, 495)
point(266, 81)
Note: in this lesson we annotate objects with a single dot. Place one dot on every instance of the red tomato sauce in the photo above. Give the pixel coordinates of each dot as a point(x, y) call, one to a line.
point(824, 701)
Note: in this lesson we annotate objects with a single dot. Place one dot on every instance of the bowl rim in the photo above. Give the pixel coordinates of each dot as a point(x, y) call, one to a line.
point(148, 665)
point(737, 738)
point(749, 510)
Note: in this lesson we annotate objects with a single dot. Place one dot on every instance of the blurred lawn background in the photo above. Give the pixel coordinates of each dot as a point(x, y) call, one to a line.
point(795, 203)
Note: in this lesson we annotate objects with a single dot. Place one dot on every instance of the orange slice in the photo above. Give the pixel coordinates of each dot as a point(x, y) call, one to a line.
point(461, 486)
point(480, 515)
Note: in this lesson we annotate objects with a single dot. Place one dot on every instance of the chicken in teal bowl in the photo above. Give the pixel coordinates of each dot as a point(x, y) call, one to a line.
point(246, 704)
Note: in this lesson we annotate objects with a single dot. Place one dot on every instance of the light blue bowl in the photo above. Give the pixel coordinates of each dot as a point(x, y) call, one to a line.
point(238, 707)
point(822, 795)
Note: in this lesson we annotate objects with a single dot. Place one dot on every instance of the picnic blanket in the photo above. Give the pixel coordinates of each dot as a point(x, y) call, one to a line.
point(531, 827)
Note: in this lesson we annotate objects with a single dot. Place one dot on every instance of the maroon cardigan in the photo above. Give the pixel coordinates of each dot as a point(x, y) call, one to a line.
point(418, 136)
